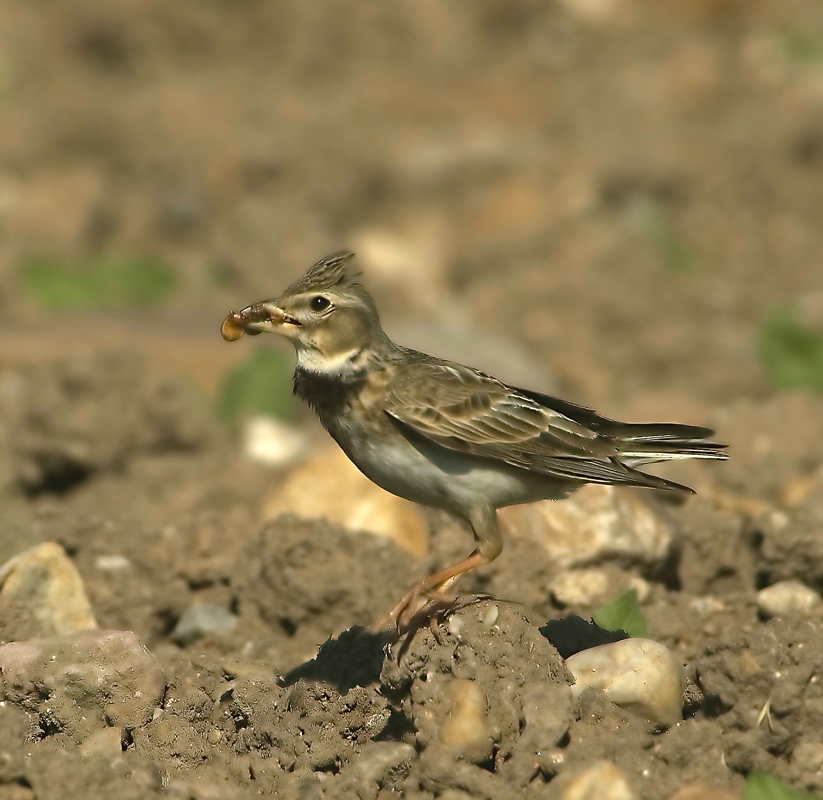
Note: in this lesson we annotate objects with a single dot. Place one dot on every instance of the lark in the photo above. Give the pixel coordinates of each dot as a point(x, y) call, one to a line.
point(443, 434)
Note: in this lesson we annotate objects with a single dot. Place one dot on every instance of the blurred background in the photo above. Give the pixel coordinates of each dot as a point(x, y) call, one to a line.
point(623, 198)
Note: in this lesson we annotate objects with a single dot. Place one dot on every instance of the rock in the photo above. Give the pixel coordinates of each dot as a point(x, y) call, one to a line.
point(706, 605)
point(203, 619)
point(601, 781)
point(466, 727)
point(329, 486)
point(634, 673)
point(107, 742)
point(83, 682)
point(270, 442)
point(580, 587)
point(702, 791)
point(593, 587)
point(788, 598)
point(595, 523)
point(44, 583)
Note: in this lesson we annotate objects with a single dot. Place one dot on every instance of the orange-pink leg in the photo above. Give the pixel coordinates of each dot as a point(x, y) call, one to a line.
point(438, 584)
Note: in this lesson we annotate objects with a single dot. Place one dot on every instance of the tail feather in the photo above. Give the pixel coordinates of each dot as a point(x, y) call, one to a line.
point(642, 443)
point(649, 451)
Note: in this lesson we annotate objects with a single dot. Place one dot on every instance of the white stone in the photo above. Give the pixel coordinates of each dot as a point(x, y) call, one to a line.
point(788, 598)
point(203, 619)
point(330, 487)
point(580, 587)
point(46, 583)
point(702, 791)
point(112, 563)
point(595, 523)
point(270, 442)
point(706, 606)
point(602, 781)
point(107, 742)
point(634, 673)
point(466, 727)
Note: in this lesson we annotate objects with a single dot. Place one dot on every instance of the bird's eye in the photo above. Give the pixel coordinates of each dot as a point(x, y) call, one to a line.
point(319, 303)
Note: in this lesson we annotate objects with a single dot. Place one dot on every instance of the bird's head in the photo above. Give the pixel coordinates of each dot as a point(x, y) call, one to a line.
point(329, 317)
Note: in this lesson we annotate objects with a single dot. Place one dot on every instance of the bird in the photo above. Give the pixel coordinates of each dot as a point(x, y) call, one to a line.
point(445, 435)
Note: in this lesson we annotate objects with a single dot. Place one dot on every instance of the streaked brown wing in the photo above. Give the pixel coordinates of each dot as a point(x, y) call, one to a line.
point(465, 410)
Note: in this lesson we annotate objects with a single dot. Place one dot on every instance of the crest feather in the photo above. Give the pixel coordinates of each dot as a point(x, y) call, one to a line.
point(329, 271)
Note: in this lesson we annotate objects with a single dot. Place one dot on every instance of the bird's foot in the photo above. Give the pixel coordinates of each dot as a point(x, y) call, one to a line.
point(417, 605)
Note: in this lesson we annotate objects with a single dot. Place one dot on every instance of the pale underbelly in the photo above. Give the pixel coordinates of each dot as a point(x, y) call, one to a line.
point(450, 480)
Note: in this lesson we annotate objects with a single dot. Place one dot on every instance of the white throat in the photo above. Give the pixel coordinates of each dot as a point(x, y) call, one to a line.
point(341, 365)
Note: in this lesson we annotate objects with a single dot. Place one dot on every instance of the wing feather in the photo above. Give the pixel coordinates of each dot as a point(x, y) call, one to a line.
point(466, 410)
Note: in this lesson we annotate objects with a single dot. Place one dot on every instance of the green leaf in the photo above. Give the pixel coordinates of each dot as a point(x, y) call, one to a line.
point(622, 614)
point(258, 386)
point(98, 283)
point(791, 354)
point(763, 786)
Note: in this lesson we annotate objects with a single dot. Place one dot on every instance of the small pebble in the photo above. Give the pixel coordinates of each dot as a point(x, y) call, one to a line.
point(455, 624)
point(580, 587)
point(107, 742)
point(593, 587)
point(272, 443)
point(702, 791)
point(706, 605)
point(466, 726)
point(45, 582)
point(634, 673)
point(490, 617)
point(112, 563)
point(788, 598)
point(202, 619)
point(602, 781)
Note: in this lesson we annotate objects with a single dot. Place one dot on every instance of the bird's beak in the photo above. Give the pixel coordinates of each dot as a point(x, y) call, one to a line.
point(257, 318)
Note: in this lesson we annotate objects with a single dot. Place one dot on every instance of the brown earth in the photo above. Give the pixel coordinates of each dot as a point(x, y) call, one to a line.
point(625, 190)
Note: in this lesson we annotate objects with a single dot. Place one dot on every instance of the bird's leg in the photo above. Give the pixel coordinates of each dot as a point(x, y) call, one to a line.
point(401, 614)
point(489, 546)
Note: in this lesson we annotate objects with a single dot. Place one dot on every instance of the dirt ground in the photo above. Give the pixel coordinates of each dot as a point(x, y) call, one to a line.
point(619, 193)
